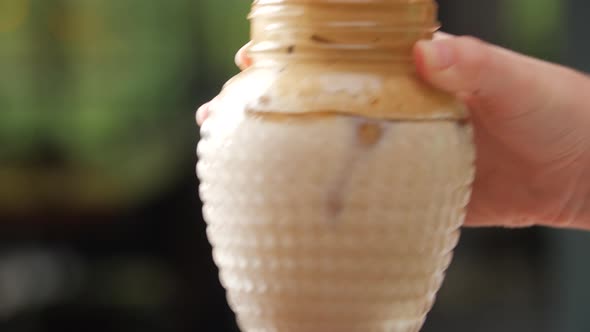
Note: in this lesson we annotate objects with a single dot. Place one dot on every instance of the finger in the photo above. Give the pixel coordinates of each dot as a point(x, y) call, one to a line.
point(441, 35)
point(470, 67)
point(494, 77)
point(242, 59)
point(501, 86)
point(202, 114)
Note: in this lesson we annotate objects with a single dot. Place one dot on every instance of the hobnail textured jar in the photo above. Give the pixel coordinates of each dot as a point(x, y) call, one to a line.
point(334, 182)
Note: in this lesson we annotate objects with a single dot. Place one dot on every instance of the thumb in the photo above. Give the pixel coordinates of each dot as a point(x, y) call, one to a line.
point(529, 99)
point(484, 74)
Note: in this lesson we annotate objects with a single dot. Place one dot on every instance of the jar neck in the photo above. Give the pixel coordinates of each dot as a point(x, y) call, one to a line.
point(374, 32)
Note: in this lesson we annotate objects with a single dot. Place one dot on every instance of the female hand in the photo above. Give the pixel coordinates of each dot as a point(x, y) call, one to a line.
point(532, 131)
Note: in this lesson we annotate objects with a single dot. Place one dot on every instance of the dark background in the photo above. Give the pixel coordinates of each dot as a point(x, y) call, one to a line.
point(100, 223)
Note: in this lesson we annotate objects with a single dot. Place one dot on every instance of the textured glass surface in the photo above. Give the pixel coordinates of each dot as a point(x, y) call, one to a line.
point(336, 223)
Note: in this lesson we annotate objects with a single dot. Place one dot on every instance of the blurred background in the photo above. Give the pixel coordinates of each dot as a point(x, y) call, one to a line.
point(100, 222)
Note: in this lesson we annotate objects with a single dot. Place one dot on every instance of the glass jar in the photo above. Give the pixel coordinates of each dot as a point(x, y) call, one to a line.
point(334, 181)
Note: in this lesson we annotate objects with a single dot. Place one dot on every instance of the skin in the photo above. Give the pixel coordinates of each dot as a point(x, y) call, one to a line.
point(532, 131)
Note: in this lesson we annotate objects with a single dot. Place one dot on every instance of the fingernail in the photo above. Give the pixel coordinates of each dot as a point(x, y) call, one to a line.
point(437, 54)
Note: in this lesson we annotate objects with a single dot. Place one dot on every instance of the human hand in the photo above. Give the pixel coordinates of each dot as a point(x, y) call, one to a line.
point(532, 131)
